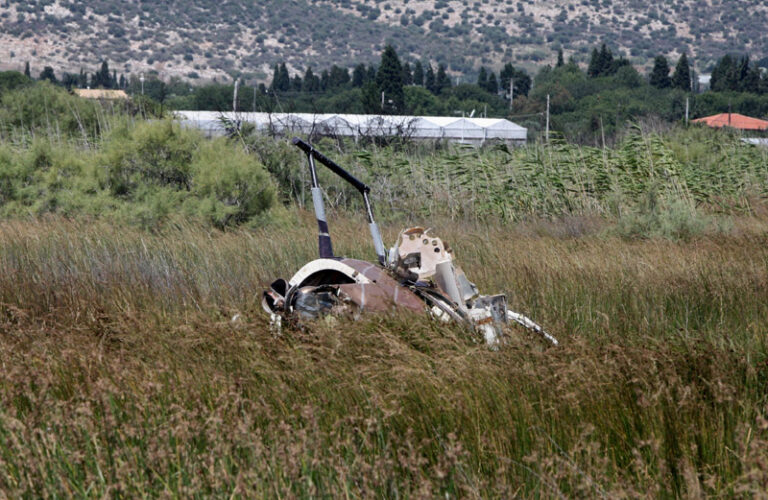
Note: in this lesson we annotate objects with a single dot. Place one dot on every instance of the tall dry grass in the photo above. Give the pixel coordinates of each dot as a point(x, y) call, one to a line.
point(124, 374)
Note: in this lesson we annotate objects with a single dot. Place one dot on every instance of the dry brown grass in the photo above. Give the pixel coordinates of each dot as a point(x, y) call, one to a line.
point(123, 373)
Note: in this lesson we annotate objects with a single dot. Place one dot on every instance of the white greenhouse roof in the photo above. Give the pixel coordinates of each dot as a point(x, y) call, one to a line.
point(417, 127)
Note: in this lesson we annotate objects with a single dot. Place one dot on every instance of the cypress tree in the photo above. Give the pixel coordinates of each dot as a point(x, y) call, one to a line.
point(560, 58)
point(492, 86)
point(407, 74)
point(284, 79)
point(482, 78)
point(369, 98)
point(593, 70)
point(682, 77)
point(605, 61)
point(442, 81)
point(27, 72)
point(359, 75)
point(659, 76)
point(389, 80)
point(418, 73)
point(275, 78)
point(311, 81)
point(429, 79)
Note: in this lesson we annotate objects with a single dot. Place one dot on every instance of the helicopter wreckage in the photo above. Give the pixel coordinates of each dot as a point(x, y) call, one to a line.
point(418, 274)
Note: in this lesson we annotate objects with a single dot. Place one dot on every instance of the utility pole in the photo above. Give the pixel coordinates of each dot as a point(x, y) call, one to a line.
point(141, 79)
point(687, 108)
point(547, 136)
point(234, 96)
point(382, 101)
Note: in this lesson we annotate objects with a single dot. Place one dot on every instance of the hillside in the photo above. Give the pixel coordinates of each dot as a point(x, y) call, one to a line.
point(207, 39)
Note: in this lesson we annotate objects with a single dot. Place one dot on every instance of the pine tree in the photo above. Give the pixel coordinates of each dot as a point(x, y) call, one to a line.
point(389, 80)
point(442, 81)
point(682, 77)
point(659, 76)
point(560, 59)
point(429, 79)
point(418, 73)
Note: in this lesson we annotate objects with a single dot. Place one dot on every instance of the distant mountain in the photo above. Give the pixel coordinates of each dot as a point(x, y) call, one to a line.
point(216, 39)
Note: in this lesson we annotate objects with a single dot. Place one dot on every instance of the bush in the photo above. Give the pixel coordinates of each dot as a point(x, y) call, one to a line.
point(231, 186)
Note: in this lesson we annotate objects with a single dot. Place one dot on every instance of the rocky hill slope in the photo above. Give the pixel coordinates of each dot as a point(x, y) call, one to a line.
point(212, 39)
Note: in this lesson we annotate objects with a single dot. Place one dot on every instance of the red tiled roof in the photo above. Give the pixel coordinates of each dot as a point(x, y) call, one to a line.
point(733, 120)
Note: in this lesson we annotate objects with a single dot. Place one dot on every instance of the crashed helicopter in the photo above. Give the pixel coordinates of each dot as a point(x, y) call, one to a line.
point(418, 274)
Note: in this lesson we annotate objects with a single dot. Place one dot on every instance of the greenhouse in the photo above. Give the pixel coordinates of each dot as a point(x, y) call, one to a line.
point(450, 128)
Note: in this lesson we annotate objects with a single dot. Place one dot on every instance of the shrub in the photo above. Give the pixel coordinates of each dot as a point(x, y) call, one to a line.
point(231, 186)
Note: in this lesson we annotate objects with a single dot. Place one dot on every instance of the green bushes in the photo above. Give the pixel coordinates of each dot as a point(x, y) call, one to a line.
point(44, 108)
point(143, 174)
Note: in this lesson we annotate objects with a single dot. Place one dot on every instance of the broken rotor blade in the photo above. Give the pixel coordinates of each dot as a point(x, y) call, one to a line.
point(531, 325)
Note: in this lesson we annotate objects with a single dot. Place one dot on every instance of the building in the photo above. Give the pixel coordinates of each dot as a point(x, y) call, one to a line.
point(475, 131)
point(733, 120)
point(101, 94)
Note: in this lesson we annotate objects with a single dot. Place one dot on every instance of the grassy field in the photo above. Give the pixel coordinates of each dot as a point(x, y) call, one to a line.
point(124, 373)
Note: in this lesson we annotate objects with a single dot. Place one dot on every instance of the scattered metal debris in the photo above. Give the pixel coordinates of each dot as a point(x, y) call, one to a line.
point(417, 274)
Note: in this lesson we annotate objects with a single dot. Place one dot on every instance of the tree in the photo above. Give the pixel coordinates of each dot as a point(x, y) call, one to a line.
point(429, 79)
point(281, 80)
point(482, 78)
point(338, 77)
point(359, 76)
point(601, 62)
point(593, 70)
point(102, 78)
point(48, 74)
point(492, 86)
point(407, 74)
point(27, 72)
point(659, 76)
point(369, 98)
point(442, 81)
point(296, 83)
point(389, 80)
point(520, 78)
point(418, 73)
point(82, 79)
point(682, 76)
point(560, 58)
